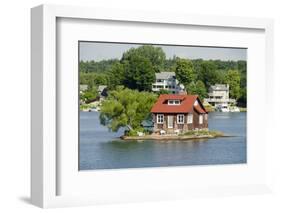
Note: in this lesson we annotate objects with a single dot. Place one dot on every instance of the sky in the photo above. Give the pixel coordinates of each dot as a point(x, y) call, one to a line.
point(102, 51)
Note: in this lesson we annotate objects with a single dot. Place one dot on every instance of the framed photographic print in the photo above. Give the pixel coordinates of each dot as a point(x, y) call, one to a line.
point(130, 106)
point(151, 105)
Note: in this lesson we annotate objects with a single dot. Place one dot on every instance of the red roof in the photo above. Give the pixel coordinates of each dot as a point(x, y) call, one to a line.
point(186, 105)
point(199, 109)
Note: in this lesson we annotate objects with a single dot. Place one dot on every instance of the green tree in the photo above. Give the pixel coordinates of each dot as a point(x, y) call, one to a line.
point(116, 75)
point(242, 101)
point(164, 91)
point(101, 79)
point(126, 108)
point(139, 73)
point(96, 66)
point(184, 71)
point(198, 88)
point(89, 95)
point(233, 79)
point(207, 73)
point(155, 55)
point(93, 79)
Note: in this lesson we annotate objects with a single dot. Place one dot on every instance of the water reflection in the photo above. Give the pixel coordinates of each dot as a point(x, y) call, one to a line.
point(101, 149)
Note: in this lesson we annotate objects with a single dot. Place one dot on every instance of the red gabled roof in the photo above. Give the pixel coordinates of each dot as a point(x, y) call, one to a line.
point(187, 102)
point(199, 109)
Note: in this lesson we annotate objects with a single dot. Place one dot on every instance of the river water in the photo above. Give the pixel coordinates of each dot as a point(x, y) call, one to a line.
point(101, 149)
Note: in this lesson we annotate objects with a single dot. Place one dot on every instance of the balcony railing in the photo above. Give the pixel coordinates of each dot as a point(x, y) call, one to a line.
point(220, 100)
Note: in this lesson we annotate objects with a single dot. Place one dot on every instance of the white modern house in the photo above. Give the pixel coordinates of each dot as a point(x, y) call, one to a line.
point(167, 81)
point(218, 95)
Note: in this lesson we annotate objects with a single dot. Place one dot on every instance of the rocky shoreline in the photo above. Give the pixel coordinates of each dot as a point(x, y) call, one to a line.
point(175, 137)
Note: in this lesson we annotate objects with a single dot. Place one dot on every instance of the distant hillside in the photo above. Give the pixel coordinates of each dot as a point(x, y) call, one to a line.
point(169, 64)
point(98, 67)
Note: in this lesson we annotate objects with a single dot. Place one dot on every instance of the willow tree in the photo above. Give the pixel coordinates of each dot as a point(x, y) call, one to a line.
point(126, 108)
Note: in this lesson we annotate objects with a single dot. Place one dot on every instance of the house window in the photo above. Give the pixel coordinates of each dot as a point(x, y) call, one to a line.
point(173, 102)
point(200, 119)
point(206, 116)
point(189, 118)
point(180, 119)
point(160, 118)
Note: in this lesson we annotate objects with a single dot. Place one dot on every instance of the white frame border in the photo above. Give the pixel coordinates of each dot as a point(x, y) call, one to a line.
point(43, 89)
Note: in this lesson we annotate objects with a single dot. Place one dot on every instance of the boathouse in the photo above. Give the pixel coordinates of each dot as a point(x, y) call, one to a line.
point(179, 113)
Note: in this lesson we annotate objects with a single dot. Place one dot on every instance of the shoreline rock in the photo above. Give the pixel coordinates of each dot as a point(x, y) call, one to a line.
point(173, 137)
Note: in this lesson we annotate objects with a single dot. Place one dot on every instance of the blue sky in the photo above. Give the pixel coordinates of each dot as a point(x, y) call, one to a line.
point(102, 51)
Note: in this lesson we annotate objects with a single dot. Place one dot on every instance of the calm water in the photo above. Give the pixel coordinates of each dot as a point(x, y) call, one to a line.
point(101, 149)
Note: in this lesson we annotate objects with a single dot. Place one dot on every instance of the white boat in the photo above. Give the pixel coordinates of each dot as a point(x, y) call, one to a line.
point(94, 109)
point(223, 108)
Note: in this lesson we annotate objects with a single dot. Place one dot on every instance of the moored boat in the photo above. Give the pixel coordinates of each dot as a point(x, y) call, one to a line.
point(223, 108)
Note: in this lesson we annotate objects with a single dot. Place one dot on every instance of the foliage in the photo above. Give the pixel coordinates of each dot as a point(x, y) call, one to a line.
point(242, 100)
point(208, 73)
point(170, 64)
point(126, 108)
point(155, 55)
point(233, 79)
point(209, 108)
point(89, 95)
point(99, 66)
point(184, 71)
point(134, 132)
point(139, 73)
point(136, 70)
point(198, 88)
point(93, 79)
point(116, 75)
point(84, 106)
point(87, 106)
point(163, 91)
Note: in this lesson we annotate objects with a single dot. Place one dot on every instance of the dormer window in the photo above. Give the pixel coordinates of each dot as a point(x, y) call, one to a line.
point(173, 102)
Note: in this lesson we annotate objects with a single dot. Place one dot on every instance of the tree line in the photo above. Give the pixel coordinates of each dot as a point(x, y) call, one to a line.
point(137, 67)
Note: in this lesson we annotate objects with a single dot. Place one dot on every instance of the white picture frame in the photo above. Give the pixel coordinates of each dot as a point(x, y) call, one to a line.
point(45, 169)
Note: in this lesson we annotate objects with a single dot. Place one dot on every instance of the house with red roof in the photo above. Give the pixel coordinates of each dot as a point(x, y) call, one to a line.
point(176, 113)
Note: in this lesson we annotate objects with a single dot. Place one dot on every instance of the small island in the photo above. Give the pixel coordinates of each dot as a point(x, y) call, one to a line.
point(176, 117)
point(191, 135)
point(146, 117)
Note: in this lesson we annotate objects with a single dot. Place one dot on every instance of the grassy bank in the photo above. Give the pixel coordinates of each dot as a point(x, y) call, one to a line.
point(243, 109)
